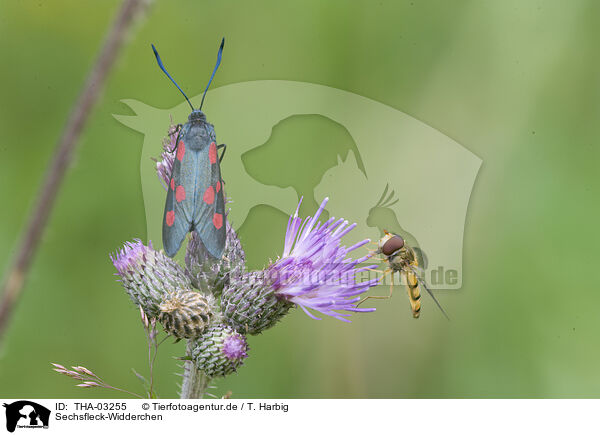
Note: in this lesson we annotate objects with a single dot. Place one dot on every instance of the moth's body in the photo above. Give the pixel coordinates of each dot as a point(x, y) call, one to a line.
point(195, 199)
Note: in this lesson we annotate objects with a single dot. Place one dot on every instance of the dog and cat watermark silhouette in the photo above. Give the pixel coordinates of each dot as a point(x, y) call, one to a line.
point(403, 176)
point(25, 414)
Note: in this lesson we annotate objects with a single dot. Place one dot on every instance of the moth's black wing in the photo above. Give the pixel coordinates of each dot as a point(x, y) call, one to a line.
point(177, 219)
point(209, 216)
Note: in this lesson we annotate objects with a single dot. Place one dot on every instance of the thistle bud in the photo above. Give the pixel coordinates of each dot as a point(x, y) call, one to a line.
point(219, 351)
point(250, 304)
point(186, 314)
point(148, 276)
point(209, 274)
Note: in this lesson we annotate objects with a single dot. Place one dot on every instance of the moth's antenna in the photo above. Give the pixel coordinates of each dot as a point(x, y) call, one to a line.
point(214, 71)
point(160, 64)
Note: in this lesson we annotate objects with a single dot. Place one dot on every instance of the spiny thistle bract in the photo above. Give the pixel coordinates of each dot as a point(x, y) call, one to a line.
point(215, 302)
point(250, 304)
point(219, 351)
point(148, 275)
point(209, 274)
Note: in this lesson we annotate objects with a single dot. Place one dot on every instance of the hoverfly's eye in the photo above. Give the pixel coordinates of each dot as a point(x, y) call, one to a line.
point(392, 245)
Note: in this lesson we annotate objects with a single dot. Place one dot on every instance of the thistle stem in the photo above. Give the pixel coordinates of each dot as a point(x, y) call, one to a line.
point(195, 381)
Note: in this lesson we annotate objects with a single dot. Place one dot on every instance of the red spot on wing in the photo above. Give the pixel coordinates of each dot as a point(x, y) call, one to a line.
point(209, 195)
point(170, 218)
point(180, 150)
point(212, 153)
point(180, 194)
point(172, 183)
point(218, 220)
point(218, 186)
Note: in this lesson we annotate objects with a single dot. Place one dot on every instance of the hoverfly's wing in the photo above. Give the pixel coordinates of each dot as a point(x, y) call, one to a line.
point(209, 214)
point(416, 271)
point(421, 257)
point(177, 219)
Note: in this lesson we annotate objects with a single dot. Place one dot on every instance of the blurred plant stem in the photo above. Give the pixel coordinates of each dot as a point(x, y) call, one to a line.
point(14, 279)
point(195, 381)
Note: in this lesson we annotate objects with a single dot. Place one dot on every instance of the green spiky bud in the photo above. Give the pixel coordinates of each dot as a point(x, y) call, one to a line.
point(250, 305)
point(148, 275)
point(219, 351)
point(209, 274)
point(186, 314)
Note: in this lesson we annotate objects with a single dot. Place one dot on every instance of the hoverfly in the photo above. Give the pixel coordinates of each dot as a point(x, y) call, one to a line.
point(403, 259)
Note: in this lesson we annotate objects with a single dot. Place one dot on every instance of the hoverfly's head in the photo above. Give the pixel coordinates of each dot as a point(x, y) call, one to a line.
point(390, 243)
point(197, 116)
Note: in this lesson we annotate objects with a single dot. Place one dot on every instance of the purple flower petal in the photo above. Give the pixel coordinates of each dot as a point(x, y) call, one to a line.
point(315, 271)
point(129, 256)
point(235, 347)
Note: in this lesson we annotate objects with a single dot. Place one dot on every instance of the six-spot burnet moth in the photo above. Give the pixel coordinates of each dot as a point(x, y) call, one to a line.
point(195, 200)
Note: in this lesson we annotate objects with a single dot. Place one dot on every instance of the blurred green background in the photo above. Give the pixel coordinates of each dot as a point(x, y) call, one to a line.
point(515, 82)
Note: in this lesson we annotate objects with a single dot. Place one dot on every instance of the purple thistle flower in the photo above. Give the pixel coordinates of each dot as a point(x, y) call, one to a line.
point(130, 256)
point(148, 275)
point(315, 271)
point(234, 347)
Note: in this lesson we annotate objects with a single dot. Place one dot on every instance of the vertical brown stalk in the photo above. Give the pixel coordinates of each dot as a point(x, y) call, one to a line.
point(14, 279)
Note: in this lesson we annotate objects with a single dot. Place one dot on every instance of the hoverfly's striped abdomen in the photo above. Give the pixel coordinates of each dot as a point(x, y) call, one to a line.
point(414, 293)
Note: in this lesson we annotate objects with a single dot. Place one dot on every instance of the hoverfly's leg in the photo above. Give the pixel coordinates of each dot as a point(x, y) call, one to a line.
point(223, 153)
point(372, 252)
point(381, 279)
